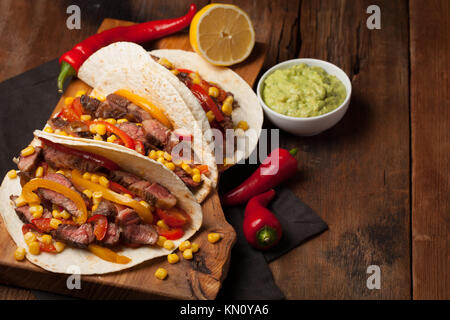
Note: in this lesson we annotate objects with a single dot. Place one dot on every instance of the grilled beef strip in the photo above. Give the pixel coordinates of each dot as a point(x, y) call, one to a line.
point(90, 105)
point(24, 213)
point(153, 193)
point(137, 114)
point(124, 178)
point(76, 128)
point(107, 110)
point(30, 163)
point(186, 178)
point(140, 234)
point(127, 216)
point(77, 236)
point(112, 236)
point(107, 209)
point(61, 160)
point(156, 134)
point(134, 131)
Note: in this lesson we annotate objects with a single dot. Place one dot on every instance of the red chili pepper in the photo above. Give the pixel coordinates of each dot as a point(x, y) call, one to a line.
point(261, 228)
point(207, 103)
point(127, 140)
point(276, 168)
point(100, 226)
point(72, 60)
point(114, 186)
point(99, 160)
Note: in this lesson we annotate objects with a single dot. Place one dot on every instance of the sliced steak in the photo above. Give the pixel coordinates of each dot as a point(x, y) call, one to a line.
point(90, 105)
point(77, 236)
point(22, 212)
point(140, 234)
point(138, 188)
point(61, 160)
point(106, 110)
point(137, 114)
point(31, 162)
point(58, 123)
point(133, 130)
point(112, 236)
point(63, 180)
point(155, 133)
point(161, 196)
point(106, 208)
point(123, 178)
point(186, 178)
point(117, 101)
point(127, 216)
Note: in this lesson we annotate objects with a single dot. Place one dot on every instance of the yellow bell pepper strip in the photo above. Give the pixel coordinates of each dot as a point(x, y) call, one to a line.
point(108, 254)
point(143, 212)
point(34, 184)
point(153, 110)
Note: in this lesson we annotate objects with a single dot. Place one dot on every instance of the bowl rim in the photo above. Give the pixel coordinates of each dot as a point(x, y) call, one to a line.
point(302, 60)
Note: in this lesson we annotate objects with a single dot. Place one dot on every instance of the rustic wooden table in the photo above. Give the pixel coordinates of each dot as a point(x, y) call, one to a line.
point(379, 178)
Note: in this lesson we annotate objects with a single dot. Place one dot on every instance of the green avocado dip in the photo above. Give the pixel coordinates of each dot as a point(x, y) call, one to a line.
point(303, 91)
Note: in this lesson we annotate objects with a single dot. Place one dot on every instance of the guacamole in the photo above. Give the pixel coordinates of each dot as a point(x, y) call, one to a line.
point(303, 91)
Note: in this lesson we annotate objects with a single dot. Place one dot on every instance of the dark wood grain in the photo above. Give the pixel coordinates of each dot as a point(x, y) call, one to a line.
point(430, 123)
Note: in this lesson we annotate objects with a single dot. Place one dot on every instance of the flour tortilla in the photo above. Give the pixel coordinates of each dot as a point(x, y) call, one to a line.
point(74, 260)
point(250, 110)
point(125, 65)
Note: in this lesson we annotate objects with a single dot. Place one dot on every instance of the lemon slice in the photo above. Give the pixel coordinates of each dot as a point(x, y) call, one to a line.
point(222, 34)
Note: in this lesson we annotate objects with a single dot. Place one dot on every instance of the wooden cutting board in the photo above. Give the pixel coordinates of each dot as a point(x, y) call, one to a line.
point(199, 278)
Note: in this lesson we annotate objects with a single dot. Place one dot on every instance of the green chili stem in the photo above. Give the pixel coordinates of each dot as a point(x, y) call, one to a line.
point(66, 71)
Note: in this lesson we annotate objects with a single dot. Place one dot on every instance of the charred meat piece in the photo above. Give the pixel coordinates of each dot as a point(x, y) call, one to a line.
point(76, 128)
point(138, 188)
point(90, 105)
point(133, 130)
point(137, 114)
point(24, 213)
point(106, 110)
point(123, 178)
point(140, 234)
point(112, 236)
point(61, 160)
point(127, 216)
point(77, 236)
point(31, 162)
point(117, 101)
point(186, 178)
point(155, 133)
point(58, 123)
point(106, 208)
point(161, 196)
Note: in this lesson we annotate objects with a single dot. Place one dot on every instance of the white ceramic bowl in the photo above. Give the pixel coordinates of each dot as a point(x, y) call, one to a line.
point(312, 125)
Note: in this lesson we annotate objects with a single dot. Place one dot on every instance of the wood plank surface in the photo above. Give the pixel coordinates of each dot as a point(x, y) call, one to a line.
point(430, 123)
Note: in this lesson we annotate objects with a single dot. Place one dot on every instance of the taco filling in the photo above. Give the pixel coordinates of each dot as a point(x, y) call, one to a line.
point(79, 199)
point(129, 120)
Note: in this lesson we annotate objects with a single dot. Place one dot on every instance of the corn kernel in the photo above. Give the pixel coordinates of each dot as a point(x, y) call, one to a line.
point(88, 193)
point(111, 138)
point(167, 156)
point(61, 172)
point(229, 99)
point(162, 224)
point(111, 120)
point(19, 254)
point(161, 273)
point(87, 176)
point(48, 130)
point(160, 154)
point(214, 237)
point(161, 160)
point(213, 92)
point(39, 172)
point(144, 203)
point(195, 78)
point(62, 133)
point(175, 71)
point(101, 129)
point(93, 128)
point(227, 109)
point(166, 63)
point(242, 125)
point(184, 245)
point(95, 178)
point(68, 101)
point(46, 238)
point(196, 178)
point(94, 208)
point(36, 211)
point(29, 237)
point(187, 254)
point(103, 181)
point(186, 168)
point(128, 195)
point(80, 93)
point(173, 258)
point(54, 223)
point(34, 248)
point(56, 214)
point(194, 247)
point(28, 151)
point(98, 137)
point(85, 117)
point(168, 244)
point(152, 154)
point(65, 215)
point(20, 201)
point(210, 115)
point(195, 171)
point(97, 197)
point(161, 240)
point(170, 165)
point(12, 174)
point(122, 121)
point(59, 246)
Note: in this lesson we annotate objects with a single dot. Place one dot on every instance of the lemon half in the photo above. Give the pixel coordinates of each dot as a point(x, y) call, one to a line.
point(222, 34)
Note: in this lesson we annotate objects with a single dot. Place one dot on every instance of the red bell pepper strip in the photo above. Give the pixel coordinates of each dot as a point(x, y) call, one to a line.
point(29, 227)
point(127, 140)
point(139, 147)
point(72, 60)
point(114, 186)
point(100, 226)
point(173, 217)
point(276, 168)
point(207, 103)
point(261, 228)
point(43, 224)
point(47, 247)
point(171, 234)
point(99, 160)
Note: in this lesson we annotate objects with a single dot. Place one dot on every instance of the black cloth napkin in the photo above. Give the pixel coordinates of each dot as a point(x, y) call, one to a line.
point(27, 101)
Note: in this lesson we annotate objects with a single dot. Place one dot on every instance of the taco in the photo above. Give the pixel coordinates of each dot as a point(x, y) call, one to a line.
point(134, 109)
point(98, 208)
point(217, 96)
